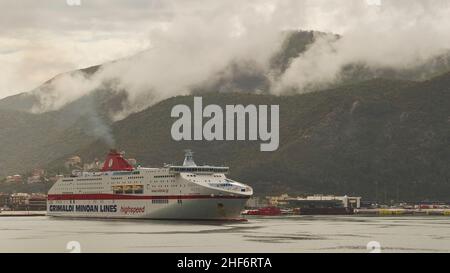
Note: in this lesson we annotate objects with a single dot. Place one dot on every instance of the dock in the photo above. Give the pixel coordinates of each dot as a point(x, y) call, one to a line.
point(13, 213)
point(392, 211)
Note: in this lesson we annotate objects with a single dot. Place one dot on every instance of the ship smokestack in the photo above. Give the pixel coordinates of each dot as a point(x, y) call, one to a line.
point(115, 162)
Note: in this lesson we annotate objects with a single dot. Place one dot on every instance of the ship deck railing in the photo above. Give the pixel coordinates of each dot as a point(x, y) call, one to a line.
point(198, 169)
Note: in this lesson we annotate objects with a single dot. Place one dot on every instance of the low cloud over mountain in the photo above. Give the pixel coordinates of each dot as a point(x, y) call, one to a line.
point(189, 46)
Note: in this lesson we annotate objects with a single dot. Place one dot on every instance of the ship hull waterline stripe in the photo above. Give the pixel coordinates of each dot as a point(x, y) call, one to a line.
point(136, 197)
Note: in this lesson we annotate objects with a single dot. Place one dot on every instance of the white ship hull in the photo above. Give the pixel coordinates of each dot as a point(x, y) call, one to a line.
point(176, 209)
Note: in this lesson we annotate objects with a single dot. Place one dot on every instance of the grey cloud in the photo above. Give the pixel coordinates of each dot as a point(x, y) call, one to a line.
point(188, 41)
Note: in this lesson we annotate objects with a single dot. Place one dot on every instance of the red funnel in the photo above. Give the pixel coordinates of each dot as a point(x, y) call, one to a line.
point(115, 162)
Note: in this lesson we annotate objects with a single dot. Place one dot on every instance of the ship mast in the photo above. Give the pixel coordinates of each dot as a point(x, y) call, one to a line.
point(189, 158)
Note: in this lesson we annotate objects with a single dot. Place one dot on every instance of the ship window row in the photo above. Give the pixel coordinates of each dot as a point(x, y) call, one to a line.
point(223, 184)
point(92, 188)
point(163, 176)
point(134, 177)
point(216, 170)
point(89, 183)
point(160, 201)
point(121, 173)
point(166, 186)
point(128, 182)
point(192, 175)
point(89, 179)
point(68, 186)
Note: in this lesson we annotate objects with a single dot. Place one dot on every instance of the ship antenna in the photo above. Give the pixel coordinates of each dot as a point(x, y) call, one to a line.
point(189, 158)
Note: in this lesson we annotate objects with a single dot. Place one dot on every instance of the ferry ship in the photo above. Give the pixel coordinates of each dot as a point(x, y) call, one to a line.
point(120, 190)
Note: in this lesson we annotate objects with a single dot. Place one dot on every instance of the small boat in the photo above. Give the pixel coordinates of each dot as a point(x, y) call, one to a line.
point(266, 211)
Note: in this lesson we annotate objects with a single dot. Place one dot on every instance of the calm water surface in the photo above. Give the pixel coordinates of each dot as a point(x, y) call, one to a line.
point(273, 234)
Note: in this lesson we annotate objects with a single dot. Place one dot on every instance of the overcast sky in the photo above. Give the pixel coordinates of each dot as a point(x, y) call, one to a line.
point(39, 39)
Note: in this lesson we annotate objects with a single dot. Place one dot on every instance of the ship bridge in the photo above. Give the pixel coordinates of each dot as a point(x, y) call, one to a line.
point(190, 166)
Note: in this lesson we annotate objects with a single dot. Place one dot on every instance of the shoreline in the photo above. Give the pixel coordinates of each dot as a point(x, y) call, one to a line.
point(19, 213)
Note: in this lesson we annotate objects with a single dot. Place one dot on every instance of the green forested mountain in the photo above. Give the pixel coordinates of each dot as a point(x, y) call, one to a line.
point(381, 139)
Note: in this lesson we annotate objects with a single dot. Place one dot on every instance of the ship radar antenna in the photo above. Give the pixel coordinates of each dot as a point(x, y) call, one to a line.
point(189, 158)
